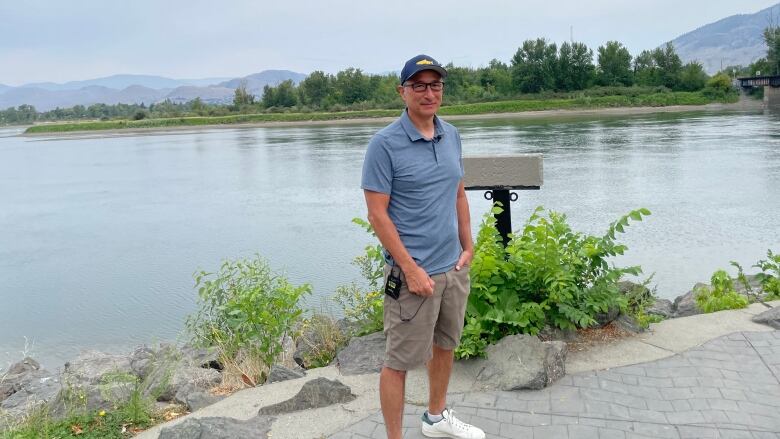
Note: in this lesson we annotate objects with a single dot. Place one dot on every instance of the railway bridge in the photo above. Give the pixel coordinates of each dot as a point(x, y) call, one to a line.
point(771, 86)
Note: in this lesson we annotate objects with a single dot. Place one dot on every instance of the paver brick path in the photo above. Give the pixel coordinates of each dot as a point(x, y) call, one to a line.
point(726, 388)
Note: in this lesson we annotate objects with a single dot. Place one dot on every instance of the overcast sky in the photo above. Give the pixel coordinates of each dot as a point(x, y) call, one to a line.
point(82, 39)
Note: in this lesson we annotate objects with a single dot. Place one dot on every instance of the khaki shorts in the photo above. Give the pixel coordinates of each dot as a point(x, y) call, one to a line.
point(439, 320)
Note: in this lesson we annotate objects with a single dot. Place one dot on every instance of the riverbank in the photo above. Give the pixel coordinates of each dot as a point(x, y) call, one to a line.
point(617, 106)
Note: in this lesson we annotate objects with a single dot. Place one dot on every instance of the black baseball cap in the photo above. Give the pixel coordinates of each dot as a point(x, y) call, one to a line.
point(420, 63)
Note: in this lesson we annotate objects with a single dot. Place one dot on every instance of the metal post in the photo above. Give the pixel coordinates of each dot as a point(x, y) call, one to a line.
point(503, 219)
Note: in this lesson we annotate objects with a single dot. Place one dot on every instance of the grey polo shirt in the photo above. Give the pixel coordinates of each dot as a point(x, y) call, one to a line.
point(422, 177)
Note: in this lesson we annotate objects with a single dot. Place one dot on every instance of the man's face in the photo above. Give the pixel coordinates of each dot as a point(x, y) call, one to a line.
point(422, 104)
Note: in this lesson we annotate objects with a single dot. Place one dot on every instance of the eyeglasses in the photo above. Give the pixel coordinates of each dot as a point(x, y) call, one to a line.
point(420, 87)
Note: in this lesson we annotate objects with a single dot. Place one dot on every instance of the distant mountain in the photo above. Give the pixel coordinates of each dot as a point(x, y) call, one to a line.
point(123, 81)
point(209, 95)
point(44, 100)
point(136, 89)
point(3, 88)
point(255, 82)
point(735, 40)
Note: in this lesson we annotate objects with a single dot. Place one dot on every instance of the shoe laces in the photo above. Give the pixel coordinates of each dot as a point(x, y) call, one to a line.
point(455, 422)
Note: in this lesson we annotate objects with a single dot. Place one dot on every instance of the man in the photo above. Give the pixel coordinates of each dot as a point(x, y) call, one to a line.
point(413, 184)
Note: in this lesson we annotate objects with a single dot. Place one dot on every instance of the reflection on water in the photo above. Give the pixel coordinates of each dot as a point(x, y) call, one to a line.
point(99, 236)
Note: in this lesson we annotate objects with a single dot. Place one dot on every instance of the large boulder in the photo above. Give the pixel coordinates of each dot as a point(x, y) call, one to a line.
point(769, 317)
point(195, 398)
point(319, 392)
point(11, 381)
point(661, 307)
point(362, 355)
point(166, 380)
point(281, 373)
point(685, 305)
point(37, 388)
point(219, 428)
point(604, 318)
point(522, 361)
point(92, 367)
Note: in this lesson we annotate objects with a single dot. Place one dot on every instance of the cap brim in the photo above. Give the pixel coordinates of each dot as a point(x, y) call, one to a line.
point(438, 69)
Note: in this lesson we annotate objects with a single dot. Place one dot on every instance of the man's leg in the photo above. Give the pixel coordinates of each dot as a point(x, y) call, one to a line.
point(439, 371)
point(391, 398)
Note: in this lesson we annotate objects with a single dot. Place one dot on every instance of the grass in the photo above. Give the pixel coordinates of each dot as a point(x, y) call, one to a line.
point(515, 106)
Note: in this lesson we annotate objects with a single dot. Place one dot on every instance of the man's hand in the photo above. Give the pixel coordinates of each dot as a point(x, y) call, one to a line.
point(464, 260)
point(419, 283)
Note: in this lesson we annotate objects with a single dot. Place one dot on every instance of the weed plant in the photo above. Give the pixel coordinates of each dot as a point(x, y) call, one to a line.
point(246, 311)
point(720, 295)
point(547, 274)
point(363, 304)
point(770, 275)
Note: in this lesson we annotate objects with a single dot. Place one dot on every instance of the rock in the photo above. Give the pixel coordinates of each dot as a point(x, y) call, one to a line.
point(362, 355)
point(769, 317)
point(92, 366)
point(754, 281)
point(603, 319)
point(38, 388)
point(219, 428)
point(202, 357)
point(168, 379)
point(685, 305)
point(281, 373)
point(522, 362)
point(320, 331)
point(661, 307)
point(195, 398)
point(16, 375)
point(140, 361)
point(552, 333)
point(319, 392)
point(629, 324)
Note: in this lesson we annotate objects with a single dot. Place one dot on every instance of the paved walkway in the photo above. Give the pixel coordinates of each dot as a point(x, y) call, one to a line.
point(727, 388)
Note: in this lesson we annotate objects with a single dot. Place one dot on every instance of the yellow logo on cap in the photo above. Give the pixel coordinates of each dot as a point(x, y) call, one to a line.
point(424, 61)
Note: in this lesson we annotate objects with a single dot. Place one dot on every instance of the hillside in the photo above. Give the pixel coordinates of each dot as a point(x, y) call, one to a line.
point(735, 40)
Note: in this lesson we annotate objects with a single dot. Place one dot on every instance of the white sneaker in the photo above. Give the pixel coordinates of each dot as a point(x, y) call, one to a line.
point(450, 427)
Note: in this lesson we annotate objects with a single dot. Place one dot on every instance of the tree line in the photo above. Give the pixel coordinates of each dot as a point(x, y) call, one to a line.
point(538, 69)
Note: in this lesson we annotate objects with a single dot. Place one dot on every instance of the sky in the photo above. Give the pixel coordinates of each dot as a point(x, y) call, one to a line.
point(60, 41)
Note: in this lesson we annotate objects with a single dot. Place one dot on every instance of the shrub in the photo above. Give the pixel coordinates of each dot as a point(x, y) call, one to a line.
point(363, 305)
point(770, 275)
point(323, 337)
point(245, 311)
point(721, 295)
point(638, 299)
point(547, 274)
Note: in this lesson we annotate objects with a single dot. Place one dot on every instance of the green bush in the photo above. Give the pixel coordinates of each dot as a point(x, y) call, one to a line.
point(245, 310)
point(363, 305)
point(770, 275)
point(547, 274)
point(721, 295)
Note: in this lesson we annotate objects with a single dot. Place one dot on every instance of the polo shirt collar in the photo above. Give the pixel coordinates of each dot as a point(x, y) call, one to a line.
point(414, 134)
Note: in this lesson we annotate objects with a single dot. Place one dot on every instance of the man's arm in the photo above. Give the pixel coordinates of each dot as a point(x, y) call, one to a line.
point(464, 228)
point(417, 280)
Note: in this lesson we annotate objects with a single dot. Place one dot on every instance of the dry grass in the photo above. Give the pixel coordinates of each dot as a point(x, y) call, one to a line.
point(590, 337)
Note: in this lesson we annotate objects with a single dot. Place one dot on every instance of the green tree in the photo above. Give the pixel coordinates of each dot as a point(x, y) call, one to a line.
point(315, 88)
point(242, 97)
point(669, 64)
point(533, 66)
point(575, 67)
point(645, 69)
point(692, 77)
point(772, 40)
point(497, 78)
point(352, 86)
point(285, 94)
point(614, 65)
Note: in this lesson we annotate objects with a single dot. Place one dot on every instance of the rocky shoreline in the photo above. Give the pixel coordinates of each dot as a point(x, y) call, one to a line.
point(185, 376)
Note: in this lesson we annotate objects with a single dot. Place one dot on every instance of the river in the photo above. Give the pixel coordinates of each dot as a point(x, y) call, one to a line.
point(100, 234)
